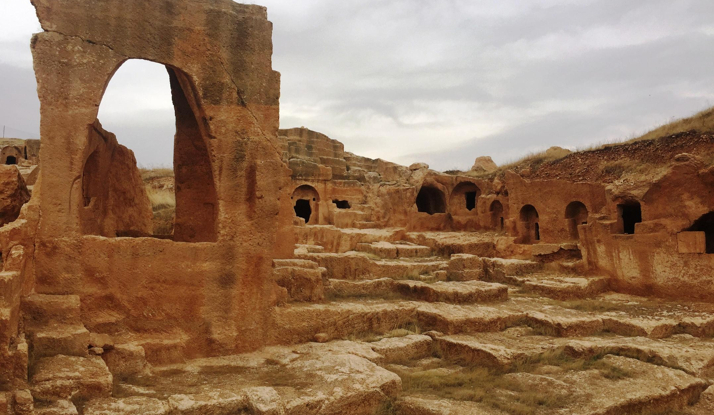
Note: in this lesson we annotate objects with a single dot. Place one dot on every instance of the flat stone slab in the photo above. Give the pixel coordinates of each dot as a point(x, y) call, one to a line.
point(517, 345)
point(396, 349)
point(418, 405)
point(453, 319)
point(561, 287)
point(135, 405)
point(311, 378)
point(646, 388)
point(71, 377)
point(619, 385)
point(453, 292)
point(299, 323)
point(394, 250)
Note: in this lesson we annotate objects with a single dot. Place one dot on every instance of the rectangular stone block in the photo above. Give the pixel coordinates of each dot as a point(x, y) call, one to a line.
point(691, 243)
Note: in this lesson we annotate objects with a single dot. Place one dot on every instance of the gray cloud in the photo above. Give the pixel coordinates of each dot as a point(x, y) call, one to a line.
point(444, 81)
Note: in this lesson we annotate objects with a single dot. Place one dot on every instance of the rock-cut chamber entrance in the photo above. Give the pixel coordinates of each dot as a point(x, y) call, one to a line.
point(431, 200)
point(306, 202)
point(177, 202)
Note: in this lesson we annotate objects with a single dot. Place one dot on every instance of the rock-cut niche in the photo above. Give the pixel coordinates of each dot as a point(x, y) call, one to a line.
point(181, 204)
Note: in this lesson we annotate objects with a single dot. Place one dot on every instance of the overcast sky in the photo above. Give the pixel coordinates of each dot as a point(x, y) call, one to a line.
point(440, 81)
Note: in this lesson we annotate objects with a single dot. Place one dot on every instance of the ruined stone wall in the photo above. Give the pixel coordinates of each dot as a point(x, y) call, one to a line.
point(551, 198)
point(213, 282)
point(662, 257)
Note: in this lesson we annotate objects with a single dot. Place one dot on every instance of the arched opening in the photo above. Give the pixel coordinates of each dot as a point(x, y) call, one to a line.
point(496, 211)
point(529, 223)
point(576, 214)
point(306, 204)
point(341, 204)
point(11, 160)
point(152, 108)
point(463, 198)
point(431, 200)
point(628, 215)
point(705, 224)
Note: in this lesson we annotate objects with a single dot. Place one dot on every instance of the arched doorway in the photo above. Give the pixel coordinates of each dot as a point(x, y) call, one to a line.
point(182, 200)
point(431, 200)
point(306, 202)
point(463, 198)
point(628, 215)
point(576, 214)
point(496, 210)
point(11, 160)
point(705, 224)
point(529, 223)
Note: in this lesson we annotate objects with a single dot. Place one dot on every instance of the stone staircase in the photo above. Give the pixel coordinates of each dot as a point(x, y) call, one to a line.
point(392, 326)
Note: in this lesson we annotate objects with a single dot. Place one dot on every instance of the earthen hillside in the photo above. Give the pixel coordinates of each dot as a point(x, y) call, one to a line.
point(641, 158)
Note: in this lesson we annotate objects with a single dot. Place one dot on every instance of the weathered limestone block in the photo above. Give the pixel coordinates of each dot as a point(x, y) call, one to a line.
point(217, 402)
point(303, 279)
point(71, 377)
point(135, 405)
point(70, 340)
point(401, 349)
point(416, 405)
point(465, 267)
point(498, 268)
point(5, 402)
point(24, 403)
point(13, 193)
point(453, 292)
point(692, 242)
point(304, 169)
point(125, 360)
point(61, 407)
point(40, 310)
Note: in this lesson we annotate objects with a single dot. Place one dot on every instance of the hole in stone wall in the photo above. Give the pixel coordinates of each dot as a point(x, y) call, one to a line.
point(470, 200)
point(530, 227)
point(307, 203)
point(496, 210)
point(705, 224)
point(342, 204)
point(11, 160)
point(629, 214)
point(464, 198)
point(576, 214)
point(303, 209)
point(430, 200)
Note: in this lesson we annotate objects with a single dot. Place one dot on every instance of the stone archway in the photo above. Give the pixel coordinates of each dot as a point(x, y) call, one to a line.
point(576, 214)
point(705, 224)
point(463, 199)
point(530, 231)
point(431, 200)
point(306, 204)
point(496, 211)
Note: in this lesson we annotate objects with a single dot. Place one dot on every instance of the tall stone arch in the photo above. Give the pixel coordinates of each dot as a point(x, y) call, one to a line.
point(218, 54)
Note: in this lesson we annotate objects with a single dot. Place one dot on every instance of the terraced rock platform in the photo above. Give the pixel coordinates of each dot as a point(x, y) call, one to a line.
point(401, 327)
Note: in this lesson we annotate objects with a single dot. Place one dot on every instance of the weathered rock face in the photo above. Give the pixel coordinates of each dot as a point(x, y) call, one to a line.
point(13, 194)
point(484, 164)
point(115, 202)
point(213, 285)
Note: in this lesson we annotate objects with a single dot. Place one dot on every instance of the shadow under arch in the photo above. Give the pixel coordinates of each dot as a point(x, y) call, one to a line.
point(530, 224)
point(576, 213)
